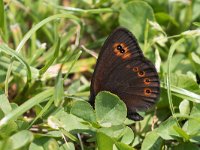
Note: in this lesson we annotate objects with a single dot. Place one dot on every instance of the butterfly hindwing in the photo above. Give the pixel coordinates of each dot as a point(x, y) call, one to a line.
point(123, 70)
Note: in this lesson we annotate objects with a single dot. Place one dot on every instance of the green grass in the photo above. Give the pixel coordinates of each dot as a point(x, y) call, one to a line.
point(46, 64)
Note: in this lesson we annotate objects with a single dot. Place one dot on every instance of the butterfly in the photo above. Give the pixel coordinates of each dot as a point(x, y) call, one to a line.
point(122, 69)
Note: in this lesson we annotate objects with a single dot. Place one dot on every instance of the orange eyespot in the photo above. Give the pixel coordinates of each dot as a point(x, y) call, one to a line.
point(141, 73)
point(147, 81)
point(147, 91)
point(121, 50)
point(135, 69)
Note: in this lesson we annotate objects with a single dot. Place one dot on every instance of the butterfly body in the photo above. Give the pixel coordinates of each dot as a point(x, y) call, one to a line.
point(123, 70)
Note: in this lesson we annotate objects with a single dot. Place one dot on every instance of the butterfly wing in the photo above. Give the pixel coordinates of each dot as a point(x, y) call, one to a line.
point(123, 70)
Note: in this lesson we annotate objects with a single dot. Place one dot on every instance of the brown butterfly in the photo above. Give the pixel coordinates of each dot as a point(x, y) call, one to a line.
point(123, 70)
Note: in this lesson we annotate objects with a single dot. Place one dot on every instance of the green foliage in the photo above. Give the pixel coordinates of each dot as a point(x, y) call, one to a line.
point(46, 67)
point(138, 13)
point(111, 112)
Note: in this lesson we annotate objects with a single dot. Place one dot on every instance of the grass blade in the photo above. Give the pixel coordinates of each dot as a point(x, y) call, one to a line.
point(171, 52)
point(13, 115)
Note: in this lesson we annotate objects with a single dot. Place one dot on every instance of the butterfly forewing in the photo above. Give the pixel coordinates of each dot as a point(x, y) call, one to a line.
point(123, 70)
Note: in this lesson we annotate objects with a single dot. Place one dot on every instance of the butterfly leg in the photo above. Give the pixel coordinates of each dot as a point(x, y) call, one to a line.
point(134, 116)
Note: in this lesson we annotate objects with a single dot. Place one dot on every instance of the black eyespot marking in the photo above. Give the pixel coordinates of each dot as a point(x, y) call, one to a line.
point(122, 51)
point(147, 91)
point(135, 69)
point(120, 48)
point(141, 73)
point(147, 81)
